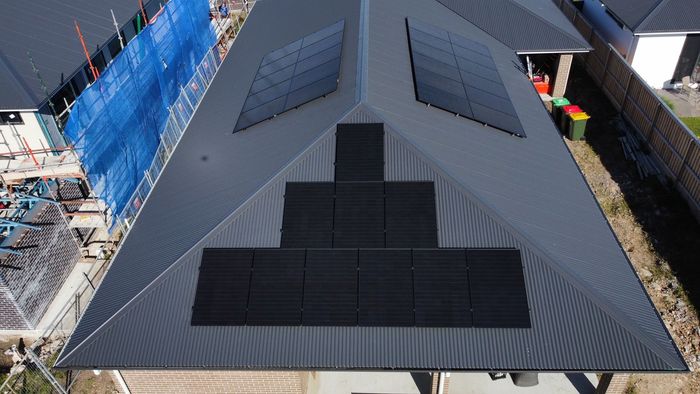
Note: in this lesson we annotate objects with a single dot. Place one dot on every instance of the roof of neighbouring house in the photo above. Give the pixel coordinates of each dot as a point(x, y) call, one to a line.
point(588, 309)
point(656, 16)
point(45, 31)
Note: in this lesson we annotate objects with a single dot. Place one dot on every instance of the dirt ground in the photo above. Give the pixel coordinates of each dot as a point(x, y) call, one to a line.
point(654, 226)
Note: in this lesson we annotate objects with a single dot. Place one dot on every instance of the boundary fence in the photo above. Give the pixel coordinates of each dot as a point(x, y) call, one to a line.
point(670, 141)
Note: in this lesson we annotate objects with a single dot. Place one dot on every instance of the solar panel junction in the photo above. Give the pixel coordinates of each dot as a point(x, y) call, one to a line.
point(293, 75)
point(459, 75)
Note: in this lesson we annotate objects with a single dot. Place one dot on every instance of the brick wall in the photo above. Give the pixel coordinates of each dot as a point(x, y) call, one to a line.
point(436, 383)
point(223, 382)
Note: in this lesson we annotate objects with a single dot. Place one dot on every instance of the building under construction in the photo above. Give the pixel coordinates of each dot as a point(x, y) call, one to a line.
point(86, 90)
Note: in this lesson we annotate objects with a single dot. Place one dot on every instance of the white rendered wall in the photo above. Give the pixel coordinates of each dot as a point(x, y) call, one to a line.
point(12, 136)
point(655, 58)
point(620, 38)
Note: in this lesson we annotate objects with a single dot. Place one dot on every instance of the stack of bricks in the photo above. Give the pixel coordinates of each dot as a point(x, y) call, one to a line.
point(214, 382)
point(435, 387)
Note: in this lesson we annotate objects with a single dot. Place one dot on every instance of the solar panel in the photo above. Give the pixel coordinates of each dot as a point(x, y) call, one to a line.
point(359, 215)
point(385, 288)
point(276, 287)
point(293, 75)
point(410, 215)
point(441, 288)
point(497, 287)
point(330, 288)
point(307, 221)
point(222, 287)
point(459, 75)
point(359, 152)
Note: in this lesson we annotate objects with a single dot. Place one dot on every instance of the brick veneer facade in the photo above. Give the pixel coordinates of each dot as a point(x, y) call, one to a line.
point(562, 76)
point(215, 382)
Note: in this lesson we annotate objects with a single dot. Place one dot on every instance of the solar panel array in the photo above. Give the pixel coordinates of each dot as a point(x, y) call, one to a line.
point(361, 252)
point(359, 209)
point(362, 287)
point(294, 75)
point(459, 75)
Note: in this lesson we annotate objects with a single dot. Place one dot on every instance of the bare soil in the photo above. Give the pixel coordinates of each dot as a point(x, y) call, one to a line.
point(654, 226)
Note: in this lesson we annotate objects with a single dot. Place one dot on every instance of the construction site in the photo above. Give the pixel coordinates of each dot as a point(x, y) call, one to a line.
point(90, 115)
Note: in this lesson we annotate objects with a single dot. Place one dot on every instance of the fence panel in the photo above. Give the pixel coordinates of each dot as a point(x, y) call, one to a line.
point(669, 139)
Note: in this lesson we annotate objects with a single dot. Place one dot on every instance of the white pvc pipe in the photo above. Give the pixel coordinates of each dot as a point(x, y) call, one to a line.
point(441, 383)
point(120, 379)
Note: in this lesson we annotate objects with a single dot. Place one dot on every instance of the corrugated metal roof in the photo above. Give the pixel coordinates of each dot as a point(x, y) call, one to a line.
point(588, 309)
point(526, 26)
point(656, 16)
point(45, 29)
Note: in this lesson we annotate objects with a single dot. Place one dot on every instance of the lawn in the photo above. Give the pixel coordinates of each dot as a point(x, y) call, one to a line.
point(693, 124)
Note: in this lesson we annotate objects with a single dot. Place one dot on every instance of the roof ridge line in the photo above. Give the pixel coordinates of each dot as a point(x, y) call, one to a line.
point(546, 21)
point(571, 278)
point(651, 13)
point(329, 130)
point(521, 7)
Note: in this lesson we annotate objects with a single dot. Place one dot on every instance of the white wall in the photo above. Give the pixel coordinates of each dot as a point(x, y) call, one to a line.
point(655, 58)
point(12, 136)
point(620, 38)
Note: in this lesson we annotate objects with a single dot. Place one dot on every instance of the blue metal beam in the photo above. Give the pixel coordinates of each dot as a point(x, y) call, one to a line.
point(11, 223)
point(10, 251)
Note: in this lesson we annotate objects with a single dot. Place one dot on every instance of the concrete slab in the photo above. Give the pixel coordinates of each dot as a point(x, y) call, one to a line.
point(553, 383)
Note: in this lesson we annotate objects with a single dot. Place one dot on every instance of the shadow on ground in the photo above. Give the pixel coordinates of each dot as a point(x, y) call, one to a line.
point(663, 214)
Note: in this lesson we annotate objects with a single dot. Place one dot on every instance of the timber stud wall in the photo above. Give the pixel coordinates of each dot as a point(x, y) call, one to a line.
point(223, 382)
point(672, 144)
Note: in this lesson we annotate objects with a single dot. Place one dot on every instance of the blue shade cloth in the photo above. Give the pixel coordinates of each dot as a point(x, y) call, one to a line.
point(116, 123)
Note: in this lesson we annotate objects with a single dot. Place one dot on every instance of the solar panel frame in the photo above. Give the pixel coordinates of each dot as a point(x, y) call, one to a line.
point(385, 288)
point(314, 62)
point(411, 218)
point(330, 287)
point(451, 55)
point(358, 220)
point(222, 287)
point(276, 287)
point(441, 288)
point(307, 218)
point(359, 152)
point(497, 288)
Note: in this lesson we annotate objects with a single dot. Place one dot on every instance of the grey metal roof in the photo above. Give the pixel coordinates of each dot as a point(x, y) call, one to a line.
point(656, 16)
point(588, 308)
point(45, 29)
point(526, 26)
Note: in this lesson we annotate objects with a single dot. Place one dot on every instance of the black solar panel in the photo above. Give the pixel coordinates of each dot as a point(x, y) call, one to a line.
point(308, 215)
point(359, 215)
point(459, 75)
point(359, 152)
point(330, 288)
point(497, 287)
point(385, 288)
point(441, 288)
point(410, 215)
point(293, 75)
point(222, 287)
point(276, 287)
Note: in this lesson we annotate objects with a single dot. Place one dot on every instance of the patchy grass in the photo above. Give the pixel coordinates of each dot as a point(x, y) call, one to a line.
point(668, 102)
point(693, 124)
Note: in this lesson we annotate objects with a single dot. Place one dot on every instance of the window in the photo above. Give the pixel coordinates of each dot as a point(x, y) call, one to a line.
point(11, 118)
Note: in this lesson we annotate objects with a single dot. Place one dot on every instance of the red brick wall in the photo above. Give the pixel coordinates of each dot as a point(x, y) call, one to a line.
point(223, 382)
point(612, 383)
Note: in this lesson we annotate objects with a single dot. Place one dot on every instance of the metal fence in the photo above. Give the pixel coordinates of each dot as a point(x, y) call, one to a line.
point(33, 370)
point(670, 141)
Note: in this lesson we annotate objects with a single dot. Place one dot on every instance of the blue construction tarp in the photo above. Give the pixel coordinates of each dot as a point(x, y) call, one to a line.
point(116, 123)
